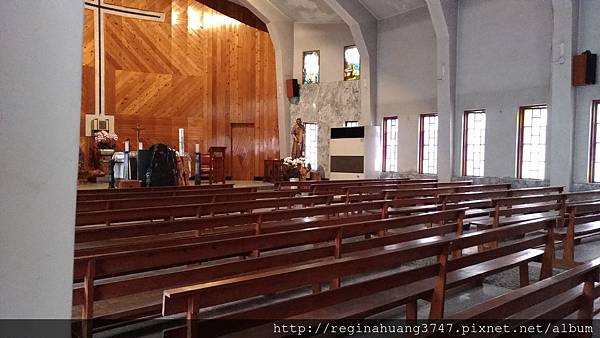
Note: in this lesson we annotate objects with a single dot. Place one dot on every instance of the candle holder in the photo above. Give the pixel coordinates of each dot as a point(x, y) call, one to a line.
point(111, 174)
point(197, 179)
point(126, 175)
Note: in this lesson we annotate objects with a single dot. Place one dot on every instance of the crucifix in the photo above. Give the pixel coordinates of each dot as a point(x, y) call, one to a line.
point(100, 7)
point(138, 131)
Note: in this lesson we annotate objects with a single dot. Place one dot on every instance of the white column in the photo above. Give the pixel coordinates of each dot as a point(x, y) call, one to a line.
point(562, 100)
point(41, 45)
point(444, 18)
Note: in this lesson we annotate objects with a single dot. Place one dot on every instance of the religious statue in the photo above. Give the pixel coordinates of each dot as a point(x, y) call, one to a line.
point(298, 132)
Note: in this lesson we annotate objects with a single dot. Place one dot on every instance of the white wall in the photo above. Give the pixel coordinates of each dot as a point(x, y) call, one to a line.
point(330, 40)
point(504, 52)
point(589, 39)
point(39, 132)
point(406, 77)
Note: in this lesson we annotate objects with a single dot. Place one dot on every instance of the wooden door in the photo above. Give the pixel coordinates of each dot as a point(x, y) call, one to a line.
point(242, 151)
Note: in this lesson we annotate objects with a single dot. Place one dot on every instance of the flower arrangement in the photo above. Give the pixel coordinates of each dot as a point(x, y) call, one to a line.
point(105, 140)
point(292, 166)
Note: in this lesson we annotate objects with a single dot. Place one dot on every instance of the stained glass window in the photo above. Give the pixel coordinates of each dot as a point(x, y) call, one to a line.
point(351, 63)
point(310, 67)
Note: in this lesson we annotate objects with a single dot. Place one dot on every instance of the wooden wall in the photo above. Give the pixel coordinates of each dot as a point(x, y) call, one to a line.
point(166, 76)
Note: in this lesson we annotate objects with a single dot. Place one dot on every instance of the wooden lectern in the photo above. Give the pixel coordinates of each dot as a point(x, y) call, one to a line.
point(217, 164)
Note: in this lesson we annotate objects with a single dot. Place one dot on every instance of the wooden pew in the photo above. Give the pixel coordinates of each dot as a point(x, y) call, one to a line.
point(307, 186)
point(171, 212)
point(567, 295)
point(326, 243)
point(151, 189)
point(377, 294)
point(130, 203)
point(421, 200)
point(258, 221)
point(510, 210)
point(583, 220)
point(340, 188)
point(111, 196)
point(369, 192)
point(480, 203)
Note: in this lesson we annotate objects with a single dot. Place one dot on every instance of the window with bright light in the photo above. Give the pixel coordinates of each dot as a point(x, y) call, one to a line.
point(594, 173)
point(428, 129)
point(351, 124)
point(311, 140)
point(531, 151)
point(473, 143)
point(311, 67)
point(390, 144)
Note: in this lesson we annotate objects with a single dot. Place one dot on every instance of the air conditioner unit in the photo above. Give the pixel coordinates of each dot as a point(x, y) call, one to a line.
point(354, 153)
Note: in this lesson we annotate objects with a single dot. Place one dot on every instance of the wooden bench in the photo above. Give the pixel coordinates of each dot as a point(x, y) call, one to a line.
point(406, 202)
point(139, 295)
point(130, 203)
point(480, 202)
point(370, 192)
point(583, 220)
point(307, 186)
point(567, 295)
point(169, 193)
point(229, 223)
point(340, 188)
point(171, 212)
point(151, 189)
point(377, 294)
point(510, 210)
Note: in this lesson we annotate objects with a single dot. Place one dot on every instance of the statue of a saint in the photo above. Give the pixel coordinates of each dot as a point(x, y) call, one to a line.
point(298, 132)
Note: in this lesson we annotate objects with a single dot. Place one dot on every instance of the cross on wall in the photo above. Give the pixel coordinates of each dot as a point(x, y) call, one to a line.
point(100, 7)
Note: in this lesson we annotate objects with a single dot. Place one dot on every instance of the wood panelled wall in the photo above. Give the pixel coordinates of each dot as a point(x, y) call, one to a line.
point(171, 75)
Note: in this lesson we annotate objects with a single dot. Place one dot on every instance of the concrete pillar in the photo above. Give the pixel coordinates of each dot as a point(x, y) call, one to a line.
point(561, 112)
point(282, 35)
point(444, 18)
point(41, 45)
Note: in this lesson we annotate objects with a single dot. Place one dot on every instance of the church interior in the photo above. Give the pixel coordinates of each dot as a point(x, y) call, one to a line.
point(277, 168)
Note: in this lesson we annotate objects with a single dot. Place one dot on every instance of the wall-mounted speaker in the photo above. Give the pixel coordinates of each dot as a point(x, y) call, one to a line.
point(584, 69)
point(293, 89)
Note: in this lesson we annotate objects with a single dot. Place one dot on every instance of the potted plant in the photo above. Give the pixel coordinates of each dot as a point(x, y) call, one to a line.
point(105, 142)
point(292, 168)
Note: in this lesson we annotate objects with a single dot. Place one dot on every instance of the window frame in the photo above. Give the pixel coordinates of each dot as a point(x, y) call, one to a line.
point(306, 124)
point(422, 141)
point(595, 110)
point(304, 53)
point(384, 136)
point(521, 136)
point(465, 140)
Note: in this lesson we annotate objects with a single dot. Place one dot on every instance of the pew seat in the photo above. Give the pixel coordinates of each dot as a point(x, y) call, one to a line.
point(362, 307)
point(487, 222)
point(581, 230)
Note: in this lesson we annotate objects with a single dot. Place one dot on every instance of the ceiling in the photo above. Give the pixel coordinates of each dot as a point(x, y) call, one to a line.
point(309, 11)
point(382, 9)
point(319, 12)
